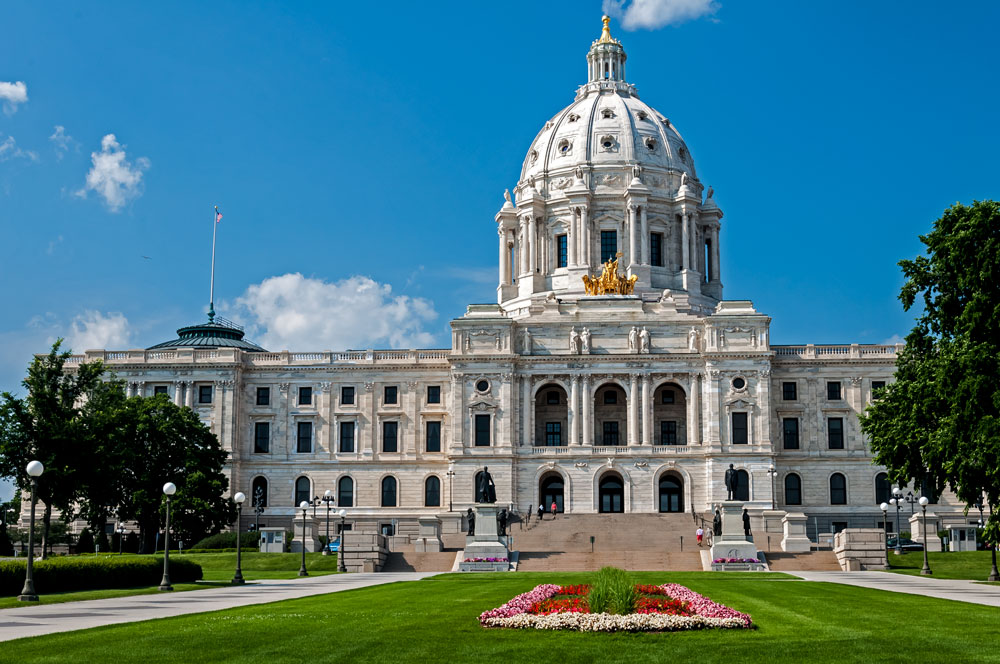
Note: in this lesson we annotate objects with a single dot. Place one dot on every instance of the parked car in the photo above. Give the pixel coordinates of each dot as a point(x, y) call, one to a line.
point(334, 546)
point(905, 544)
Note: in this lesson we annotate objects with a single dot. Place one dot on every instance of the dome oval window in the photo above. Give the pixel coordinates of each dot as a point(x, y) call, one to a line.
point(573, 117)
point(650, 144)
point(565, 146)
point(739, 383)
point(642, 115)
point(607, 113)
point(482, 385)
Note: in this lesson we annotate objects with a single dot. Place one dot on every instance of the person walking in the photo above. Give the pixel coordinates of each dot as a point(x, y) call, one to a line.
point(527, 516)
point(555, 509)
point(699, 535)
point(541, 511)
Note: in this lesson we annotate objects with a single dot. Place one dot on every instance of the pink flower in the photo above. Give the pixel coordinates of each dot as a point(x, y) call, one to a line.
point(703, 606)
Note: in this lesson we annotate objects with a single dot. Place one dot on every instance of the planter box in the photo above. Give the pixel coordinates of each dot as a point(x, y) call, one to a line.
point(483, 567)
point(738, 567)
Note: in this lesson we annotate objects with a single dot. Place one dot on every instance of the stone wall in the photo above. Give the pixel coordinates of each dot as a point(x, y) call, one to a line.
point(860, 549)
point(364, 552)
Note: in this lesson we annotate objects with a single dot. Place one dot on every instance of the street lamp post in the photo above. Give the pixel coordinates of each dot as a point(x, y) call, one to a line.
point(169, 489)
point(121, 538)
point(994, 573)
point(897, 501)
point(450, 474)
point(772, 473)
point(28, 594)
point(885, 518)
point(926, 569)
point(912, 500)
point(238, 577)
point(304, 506)
point(341, 567)
point(328, 499)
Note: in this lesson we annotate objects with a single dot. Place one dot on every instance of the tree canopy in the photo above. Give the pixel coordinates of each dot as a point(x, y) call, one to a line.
point(940, 420)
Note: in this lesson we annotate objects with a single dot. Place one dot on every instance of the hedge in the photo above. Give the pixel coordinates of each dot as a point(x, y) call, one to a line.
point(94, 573)
point(228, 541)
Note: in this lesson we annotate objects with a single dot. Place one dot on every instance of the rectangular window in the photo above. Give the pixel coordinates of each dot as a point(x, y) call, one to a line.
point(482, 430)
point(261, 437)
point(837, 526)
point(552, 398)
point(610, 396)
point(668, 432)
point(263, 396)
point(790, 430)
point(433, 394)
point(876, 386)
point(433, 436)
point(789, 391)
point(159, 389)
point(667, 396)
point(833, 391)
point(553, 434)
point(347, 436)
point(740, 433)
point(835, 433)
point(610, 433)
point(390, 431)
point(305, 437)
point(391, 392)
point(561, 245)
point(204, 394)
point(609, 245)
point(305, 396)
point(656, 249)
point(347, 395)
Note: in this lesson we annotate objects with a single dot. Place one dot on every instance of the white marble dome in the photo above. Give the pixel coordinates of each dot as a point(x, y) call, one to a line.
point(607, 125)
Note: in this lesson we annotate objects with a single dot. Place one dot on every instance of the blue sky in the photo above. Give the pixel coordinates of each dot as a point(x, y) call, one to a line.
point(359, 156)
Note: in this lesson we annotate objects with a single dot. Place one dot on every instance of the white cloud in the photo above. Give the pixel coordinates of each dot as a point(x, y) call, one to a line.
point(894, 339)
point(62, 141)
point(653, 14)
point(9, 150)
point(92, 329)
point(292, 312)
point(13, 94)
point(112, 176)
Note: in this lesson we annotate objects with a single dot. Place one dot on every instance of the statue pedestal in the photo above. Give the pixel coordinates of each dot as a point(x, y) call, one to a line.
point(486, 543)
point(732, 543)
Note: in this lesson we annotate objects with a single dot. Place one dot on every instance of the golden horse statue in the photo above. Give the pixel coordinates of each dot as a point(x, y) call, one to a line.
point(610, 282)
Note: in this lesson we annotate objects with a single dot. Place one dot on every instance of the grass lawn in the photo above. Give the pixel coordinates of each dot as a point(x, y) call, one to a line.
point(973, 565)
point(218, 571)
point(436, 620)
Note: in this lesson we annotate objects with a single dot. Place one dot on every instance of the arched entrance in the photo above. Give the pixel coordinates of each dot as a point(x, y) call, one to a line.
point(551, 421)
point(551, 488)
point(611, 494)
point(669, 415)
point(610, 416)
point(671, 493)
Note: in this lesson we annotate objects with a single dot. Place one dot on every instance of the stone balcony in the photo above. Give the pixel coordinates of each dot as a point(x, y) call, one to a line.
point(283, 358)
point(837, 352)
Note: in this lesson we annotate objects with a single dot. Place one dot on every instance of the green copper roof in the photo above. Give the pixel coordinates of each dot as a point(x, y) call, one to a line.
point(216, 333)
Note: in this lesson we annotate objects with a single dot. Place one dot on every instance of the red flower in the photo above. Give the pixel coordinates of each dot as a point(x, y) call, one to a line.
point(581, 590)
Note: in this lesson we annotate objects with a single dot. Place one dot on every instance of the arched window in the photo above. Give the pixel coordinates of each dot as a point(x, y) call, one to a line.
point(302, 490)
point(432, 492)
point(258, 492)
point(793, 489)
point(883, 492)
point(345, 492)
point(743, 488)
point(388, 491)
point(838, 489)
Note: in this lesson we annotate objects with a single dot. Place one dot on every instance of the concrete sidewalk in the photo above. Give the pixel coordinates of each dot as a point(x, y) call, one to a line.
point(35, 620)
point(959, 590)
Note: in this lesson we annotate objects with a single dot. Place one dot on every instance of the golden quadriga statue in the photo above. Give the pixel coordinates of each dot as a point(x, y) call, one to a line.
point(610, 282)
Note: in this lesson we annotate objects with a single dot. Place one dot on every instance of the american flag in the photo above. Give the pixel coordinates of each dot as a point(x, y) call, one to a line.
point(218, 215)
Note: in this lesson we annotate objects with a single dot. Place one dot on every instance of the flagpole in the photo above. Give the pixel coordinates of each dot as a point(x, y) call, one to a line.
point(211, 290)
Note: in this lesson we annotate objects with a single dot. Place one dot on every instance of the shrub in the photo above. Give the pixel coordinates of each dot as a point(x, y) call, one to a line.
point(94, 573)
point(613, 591)
point(86, 542)
point(227, 541)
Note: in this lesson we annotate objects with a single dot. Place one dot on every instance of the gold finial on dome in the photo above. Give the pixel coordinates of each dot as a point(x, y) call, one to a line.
point(606, 32)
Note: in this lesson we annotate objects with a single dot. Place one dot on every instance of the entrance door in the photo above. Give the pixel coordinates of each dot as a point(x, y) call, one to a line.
point(611, 494)
point(551, 489)
point(671, 494)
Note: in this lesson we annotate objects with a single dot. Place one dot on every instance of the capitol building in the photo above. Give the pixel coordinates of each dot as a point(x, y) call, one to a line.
point(611, 374)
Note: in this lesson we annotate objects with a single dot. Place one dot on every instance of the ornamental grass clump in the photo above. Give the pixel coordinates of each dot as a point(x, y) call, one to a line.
point(613, 591)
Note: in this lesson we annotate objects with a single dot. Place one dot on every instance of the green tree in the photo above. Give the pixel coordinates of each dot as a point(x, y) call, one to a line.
point(168, 443)
point(47, 425)
point(940, 420)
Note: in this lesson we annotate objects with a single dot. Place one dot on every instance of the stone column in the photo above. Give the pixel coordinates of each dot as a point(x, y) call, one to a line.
point(584, 237)
point(526, 410)
point(715, 254)
point(522, 248)
point(633, 409)
point(189, 394)
point(572, 239)
point(532, 245)
point(693, 428)
point(588, 421)
point(644, 240)
point(502, 265)
point(140, 389)
point(693, 235)
point(178, 393)
point(648, 437)
point(633, 235)
point(572, 412)
point(685, 242)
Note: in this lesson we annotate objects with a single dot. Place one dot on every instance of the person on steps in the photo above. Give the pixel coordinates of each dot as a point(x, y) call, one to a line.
point(555, 509)
point(541, 511)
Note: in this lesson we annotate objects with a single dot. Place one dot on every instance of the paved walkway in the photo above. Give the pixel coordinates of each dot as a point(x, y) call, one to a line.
point(959, 590)
point(50, 618)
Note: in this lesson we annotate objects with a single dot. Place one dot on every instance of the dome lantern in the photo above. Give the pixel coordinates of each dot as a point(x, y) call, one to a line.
point(606, 59)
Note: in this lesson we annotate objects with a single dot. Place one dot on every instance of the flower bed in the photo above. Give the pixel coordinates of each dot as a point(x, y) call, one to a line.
point(485, 560)
point(735, 560)
point(666, 608)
